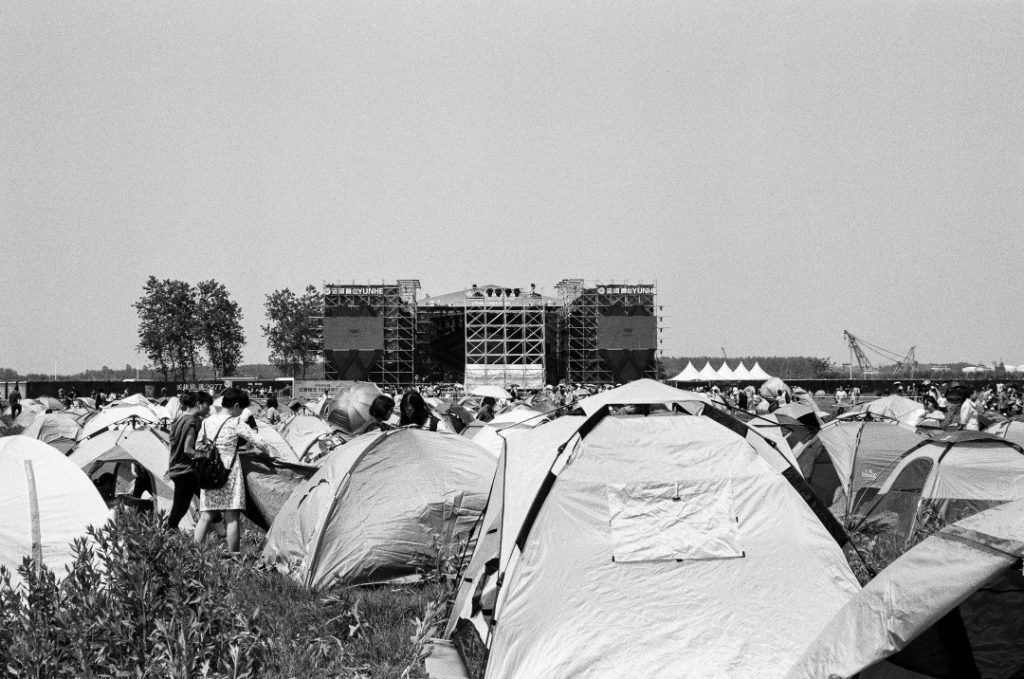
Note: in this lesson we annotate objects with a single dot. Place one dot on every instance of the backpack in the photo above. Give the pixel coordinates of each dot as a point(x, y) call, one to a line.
point(210, 470)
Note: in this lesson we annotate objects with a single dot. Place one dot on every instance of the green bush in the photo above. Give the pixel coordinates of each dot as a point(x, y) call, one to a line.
point(143, 602)
point(138, 602)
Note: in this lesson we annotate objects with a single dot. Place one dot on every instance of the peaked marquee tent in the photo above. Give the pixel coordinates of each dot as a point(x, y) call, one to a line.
point(688, 374)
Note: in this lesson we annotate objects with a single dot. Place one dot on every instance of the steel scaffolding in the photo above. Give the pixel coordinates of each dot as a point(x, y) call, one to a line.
point(582, 308)
point(505, 339)
point(396, 304)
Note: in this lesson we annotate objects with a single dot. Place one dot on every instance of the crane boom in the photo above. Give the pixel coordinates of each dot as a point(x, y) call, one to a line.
point(901, 363)
point(863, 361)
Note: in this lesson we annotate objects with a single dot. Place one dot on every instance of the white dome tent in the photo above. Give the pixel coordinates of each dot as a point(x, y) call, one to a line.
point(46, 502)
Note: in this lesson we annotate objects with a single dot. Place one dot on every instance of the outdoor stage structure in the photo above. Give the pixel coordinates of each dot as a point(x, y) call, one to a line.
point(591, 333)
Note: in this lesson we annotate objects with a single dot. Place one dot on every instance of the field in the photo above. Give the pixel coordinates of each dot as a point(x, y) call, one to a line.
point(142, 602)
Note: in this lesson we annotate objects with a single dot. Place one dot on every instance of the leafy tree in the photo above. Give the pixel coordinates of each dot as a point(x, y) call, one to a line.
point(154, 325)
point(293, 329)
point(219, 326)
point(168, 332)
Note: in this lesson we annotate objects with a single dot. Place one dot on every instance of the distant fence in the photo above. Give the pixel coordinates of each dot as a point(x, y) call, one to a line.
point(148, 388)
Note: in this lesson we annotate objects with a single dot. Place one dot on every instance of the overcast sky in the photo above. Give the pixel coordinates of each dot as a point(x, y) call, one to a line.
point(782, 170)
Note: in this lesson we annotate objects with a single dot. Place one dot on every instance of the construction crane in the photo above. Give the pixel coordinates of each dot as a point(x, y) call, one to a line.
point(901, 363)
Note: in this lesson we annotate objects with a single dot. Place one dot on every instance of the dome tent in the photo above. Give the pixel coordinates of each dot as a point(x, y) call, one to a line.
point(46, 502)
point(58, 429)
point(378, 506)
point(948, 607)
point(131, 451)
point(596, 559)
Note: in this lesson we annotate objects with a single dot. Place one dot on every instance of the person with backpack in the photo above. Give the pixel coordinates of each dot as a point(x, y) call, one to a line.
point(223, 431)
point(184, 432)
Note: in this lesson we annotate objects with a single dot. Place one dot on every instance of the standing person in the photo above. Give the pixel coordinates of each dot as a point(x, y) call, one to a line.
point(204, 402)
point(184, 432)
point(224, 429)
point(840, 400)
point(969, 412)
point(855, 395)
point(15, 400)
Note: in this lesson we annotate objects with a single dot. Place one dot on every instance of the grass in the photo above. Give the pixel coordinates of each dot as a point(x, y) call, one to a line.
point(142, 602)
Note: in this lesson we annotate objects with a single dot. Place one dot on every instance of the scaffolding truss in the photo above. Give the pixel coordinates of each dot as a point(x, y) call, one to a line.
point(582, 308)
point(505, 341)
point(395, 303)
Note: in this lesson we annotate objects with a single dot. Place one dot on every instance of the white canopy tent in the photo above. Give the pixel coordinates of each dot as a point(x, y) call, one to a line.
point(688, 374)
point(725, 373)
point(758, 373)
point(741, 372)
point(707, 373)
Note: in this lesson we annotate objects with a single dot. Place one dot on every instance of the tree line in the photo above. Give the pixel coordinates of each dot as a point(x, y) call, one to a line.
point(184, 326)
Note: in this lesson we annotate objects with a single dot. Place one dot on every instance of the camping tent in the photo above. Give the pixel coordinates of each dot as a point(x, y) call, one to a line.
point(137, 455)
point(46, 502)
point(601, 540)
point(892, 407)
point(640, 392)
point(854, 460)
point(687, 374)
point(949, 607)
point(58, 429)
point(943, 480)
point(1011, 430)
point(380, 506)
point(110, 416)
point(302, 432)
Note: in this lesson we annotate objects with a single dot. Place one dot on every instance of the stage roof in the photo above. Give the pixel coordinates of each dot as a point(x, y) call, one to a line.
point(459, 298)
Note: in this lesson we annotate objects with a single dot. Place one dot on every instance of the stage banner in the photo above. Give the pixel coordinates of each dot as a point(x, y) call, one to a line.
point(311, 390)
point(528, 376)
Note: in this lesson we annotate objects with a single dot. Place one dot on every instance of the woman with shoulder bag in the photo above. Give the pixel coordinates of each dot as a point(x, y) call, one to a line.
point(184, 432)
point(224, 430)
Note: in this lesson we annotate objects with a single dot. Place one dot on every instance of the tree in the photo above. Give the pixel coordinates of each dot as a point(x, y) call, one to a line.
point(293, 329)
point(168, 332)
point(219, 326)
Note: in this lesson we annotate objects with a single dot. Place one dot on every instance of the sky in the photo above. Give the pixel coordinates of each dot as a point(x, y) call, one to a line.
point(782, 170)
